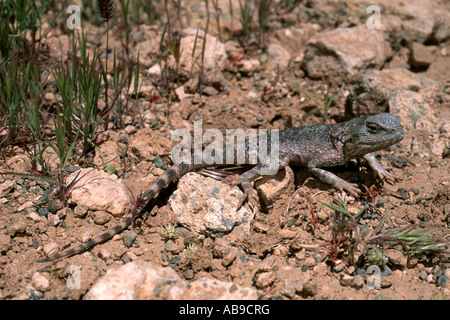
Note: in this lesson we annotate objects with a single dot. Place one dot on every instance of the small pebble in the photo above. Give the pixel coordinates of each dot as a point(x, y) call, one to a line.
point(357, 282)
point(309, 289)
point(401, 191)
point(441, 281)
point(423, 275)
point(104, 254)
point(129, 238)
point(346, 280)
point(43, 212)
point(174, 261)
point(339, 266)
point(80, 211)
point(17, 228)
point(40, 282)
point(171, 246)
point(159, 163)
point(101, 217)
point(229, 258)
point(309, 262)
point(288, 289)
point(288, 234)
point(51, 249)
point(264, 279)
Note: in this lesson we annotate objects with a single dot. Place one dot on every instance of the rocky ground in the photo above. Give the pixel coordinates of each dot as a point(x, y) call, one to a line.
point(310, 48)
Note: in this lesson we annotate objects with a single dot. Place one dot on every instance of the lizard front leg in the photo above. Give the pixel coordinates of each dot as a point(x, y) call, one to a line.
point(331, 159)
point(378, 169)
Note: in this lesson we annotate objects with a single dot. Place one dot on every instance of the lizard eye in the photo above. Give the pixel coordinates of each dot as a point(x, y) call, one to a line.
point(373, 128)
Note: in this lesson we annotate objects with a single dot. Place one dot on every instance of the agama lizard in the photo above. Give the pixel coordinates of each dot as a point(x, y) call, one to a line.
point(314, 147)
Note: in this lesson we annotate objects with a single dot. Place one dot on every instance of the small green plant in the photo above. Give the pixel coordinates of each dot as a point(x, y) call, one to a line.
point(125, 6)
point(217, 13)
point(376, 256)
point(17, 17)
point(263, 15)
point(415, 241)
point(343, 224)
point(87, 113)
point(322, 108)
point(31, 94)
point(169, 231)
point(191, 248)
point(246, 19)
point(150, 11)
point(10, 98)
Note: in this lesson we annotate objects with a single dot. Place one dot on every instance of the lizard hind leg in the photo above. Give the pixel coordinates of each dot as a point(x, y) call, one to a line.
point(245, 180)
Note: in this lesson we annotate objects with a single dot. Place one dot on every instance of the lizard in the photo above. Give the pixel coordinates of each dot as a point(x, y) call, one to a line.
point(315, 146)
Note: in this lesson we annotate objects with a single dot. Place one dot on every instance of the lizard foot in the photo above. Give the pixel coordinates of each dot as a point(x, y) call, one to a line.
point(351, 188)
point(251, 195)
point(386, 175)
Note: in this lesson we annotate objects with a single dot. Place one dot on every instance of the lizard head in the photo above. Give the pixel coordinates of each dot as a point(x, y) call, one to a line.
point(371, 133)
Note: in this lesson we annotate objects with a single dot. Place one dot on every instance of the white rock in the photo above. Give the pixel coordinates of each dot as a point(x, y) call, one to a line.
point(270, 188)
point(40, 282)
point(27, 204)
point(249, 66)
point(100, 191)
point(140, 280)
point(154, 71)
point(345, 52)
point(6, 187)
point(278, 57)
point(181, 94)
point(214, 55)
point(417, 116)
point(376, 87)
point(205, 205)
point(51, 249)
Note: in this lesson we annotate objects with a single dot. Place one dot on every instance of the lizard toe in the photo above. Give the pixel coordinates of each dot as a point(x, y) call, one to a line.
point(387, 176)
point(351, 188)
point(251, 195)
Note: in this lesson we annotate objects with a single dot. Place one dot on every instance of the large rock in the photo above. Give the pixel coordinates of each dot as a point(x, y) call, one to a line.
point(294, 40)
point(425, 131)
point(147, 143)
point(99, 191)
point(214, 55)
point(206, 205)
point(278, 57)
point(421, 21)
point(144, 281)
point(271, 188)
point(343, 53)
point(373, 89)
point(6, 187)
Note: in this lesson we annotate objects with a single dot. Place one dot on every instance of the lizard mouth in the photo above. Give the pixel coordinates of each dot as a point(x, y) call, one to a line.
point(384, 141)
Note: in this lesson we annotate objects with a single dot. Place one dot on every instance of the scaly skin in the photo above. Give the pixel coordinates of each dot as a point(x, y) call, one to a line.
point(314, 147)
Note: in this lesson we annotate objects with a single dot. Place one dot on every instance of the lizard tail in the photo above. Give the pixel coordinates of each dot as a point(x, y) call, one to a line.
point(89, 244)
point(162, 182)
